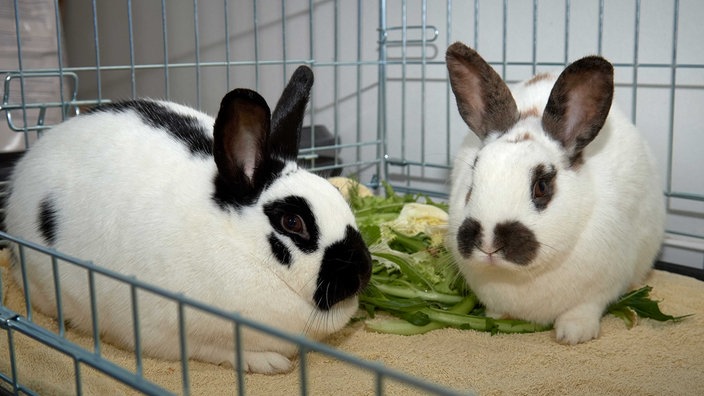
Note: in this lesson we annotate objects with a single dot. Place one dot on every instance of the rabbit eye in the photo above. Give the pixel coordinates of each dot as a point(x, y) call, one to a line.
point(294, 224)
point(292, 217)
point(540, 188)
point(543, 185)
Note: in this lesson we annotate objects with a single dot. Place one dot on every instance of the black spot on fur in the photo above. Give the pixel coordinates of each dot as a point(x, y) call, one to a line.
point(47, 220)
point(229, 191)
point(185, 129)
point(468, 237)
point(468, 196)
point(277, 210)
point(543, 186)
point(469, 191)
point(516, 241)
point(346, 270)
point(280, 250)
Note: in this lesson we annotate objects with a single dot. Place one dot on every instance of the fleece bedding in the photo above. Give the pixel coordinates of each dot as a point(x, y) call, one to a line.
point(651, 358)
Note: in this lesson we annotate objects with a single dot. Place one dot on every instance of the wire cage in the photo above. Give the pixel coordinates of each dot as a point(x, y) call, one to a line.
point(381, 109)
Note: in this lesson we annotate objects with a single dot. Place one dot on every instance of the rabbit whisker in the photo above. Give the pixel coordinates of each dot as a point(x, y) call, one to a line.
point(271, 258)
point(548, 246)
point(311, 322)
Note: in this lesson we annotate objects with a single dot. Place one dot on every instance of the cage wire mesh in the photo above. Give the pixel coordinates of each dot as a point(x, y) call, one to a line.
point(381, 107)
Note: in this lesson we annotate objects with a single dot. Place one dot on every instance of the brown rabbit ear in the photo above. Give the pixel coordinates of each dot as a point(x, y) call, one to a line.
point(239, 147)
point(483, 99)
point(579, 103)
point(288, 115)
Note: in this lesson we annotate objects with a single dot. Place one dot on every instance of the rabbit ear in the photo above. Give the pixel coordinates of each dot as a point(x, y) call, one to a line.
point(579, 103)
point(239, 146)
point(483, 99)
point(288, 115)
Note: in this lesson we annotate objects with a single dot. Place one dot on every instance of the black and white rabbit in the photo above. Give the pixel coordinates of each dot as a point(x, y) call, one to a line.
point(216, 209)
point(560, 210)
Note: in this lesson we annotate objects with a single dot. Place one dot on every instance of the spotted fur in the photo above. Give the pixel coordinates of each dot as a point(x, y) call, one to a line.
point(561, 210)
point(215, 209)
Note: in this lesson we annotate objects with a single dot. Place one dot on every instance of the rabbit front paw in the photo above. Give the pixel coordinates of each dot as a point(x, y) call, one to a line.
point(578, 325)
point(266, 363)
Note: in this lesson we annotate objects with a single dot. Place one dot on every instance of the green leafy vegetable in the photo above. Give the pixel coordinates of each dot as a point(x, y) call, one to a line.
point(415, 280)
point(638, 303)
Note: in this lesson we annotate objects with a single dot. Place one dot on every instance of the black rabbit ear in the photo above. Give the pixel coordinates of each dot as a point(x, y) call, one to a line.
point(240, 147)
point(483, 98)
point(288, 115)
point(579, 103)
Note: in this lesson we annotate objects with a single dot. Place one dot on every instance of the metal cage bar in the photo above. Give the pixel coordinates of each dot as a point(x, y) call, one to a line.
point(390, 135)
point(407, 168)
point(13, 322)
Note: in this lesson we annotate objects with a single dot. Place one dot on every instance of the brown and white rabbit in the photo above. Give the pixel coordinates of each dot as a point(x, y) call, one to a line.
point(216, 209)
point(560, 210)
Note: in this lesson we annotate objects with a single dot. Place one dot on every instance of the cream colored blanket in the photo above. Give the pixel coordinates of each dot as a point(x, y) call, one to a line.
point(651, 358)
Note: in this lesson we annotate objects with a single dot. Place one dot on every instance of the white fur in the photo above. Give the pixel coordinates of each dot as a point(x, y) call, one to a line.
point(599, 235)
point(136, 201)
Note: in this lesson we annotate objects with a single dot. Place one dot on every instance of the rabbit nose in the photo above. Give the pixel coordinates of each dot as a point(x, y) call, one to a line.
point(489, 249)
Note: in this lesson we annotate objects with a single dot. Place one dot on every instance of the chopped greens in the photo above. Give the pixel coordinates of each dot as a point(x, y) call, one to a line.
point(637, 303)
point(414, 278)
